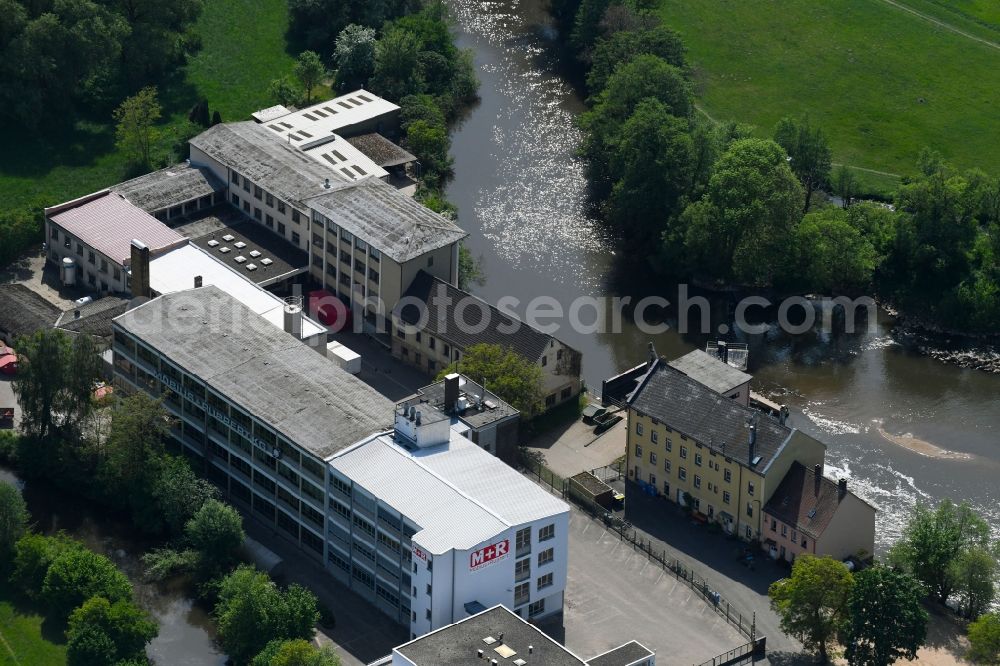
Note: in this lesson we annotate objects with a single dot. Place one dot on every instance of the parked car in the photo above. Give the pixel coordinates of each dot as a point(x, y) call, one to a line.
point(593, 412)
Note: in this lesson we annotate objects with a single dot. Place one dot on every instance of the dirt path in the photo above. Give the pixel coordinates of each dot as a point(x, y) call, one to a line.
point(941, 24)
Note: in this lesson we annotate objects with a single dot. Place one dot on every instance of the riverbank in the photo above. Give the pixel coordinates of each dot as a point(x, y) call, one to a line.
point(980, 352)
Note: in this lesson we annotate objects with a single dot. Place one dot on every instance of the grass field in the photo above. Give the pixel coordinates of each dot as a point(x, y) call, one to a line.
point(881, 81)
point(22, 637)
point(243, 50)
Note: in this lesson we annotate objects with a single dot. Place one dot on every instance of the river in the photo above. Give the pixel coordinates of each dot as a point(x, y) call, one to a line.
point(901, 427)
point(186, 635)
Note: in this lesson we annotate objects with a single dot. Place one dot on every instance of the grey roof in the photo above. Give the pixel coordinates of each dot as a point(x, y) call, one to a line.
point(276, 378)
point(386, 218)
point(380, 150)
point(94, 317)
point(169, 187)
point(226, 221)
point(261, 156)
point(456, 644)
point(493, 409)
point(710, 371)
point(501, 329)
point(22, 311)
point(709, 418)
point(625, 655)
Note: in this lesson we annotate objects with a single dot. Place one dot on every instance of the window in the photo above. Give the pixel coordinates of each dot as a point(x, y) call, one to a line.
point(296, 238)
point(546, 556)
point(638, 450)
point(522, 569)
point(682, 474)
point(666, 488)
point(795, 535)
point(296, 216)
point(684, 452)
point(246, 207)
point(544, 581)
point(104, 265)
point(727, 474)
point(750, 509)
point(652, 458)
point(654, 436)
point(546, 533)
point(269, 199)
point(79, 249)
point(373, 275)
point(281, 228)
point(430, 341)
point(430, 261)
point(545, 362)
point(804, 543)
point(281, 206)
point(269, 221)
point(522, 541)
point(91, 258)
point(784, 530)
point(257, 214)
point(669, 445)
point(638, 429)
point(522, 593)
point(536, 608)
point(55, 234)
point(750, 488)
point(257, 192)
point(697, 459)
point(726, 496)
point(235, 177)
point(429, 589)
point(652, 479)
point(774, 525)
point(749, 532)
point(246, 184)
point(666, 466)
point(234, 199)
point(117, 274)
point(697, 481)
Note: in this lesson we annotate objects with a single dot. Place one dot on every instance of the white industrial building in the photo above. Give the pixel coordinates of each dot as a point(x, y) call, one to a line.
point(401, 507)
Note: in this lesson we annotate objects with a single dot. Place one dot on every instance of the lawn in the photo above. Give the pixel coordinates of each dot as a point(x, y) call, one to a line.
point(243, 49)
point(22, 637)
point(882, 82)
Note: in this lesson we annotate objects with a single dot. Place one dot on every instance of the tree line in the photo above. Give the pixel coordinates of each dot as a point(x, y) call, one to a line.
point(719, 203)
point(877, 614)
point(112, 451)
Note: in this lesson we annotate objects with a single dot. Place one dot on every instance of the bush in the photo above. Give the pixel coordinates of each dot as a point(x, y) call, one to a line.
point(100, 633)
point(78, 574)
point(984, 636)
point(8, 448)
point(33, 554)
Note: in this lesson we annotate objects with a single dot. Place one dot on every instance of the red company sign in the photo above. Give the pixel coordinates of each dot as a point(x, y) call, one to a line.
point(419, 553)
point(488, 555)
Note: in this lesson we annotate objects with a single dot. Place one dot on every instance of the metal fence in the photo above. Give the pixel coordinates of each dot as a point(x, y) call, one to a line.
point(746, 624)
point(747, 653)
point(610, 473)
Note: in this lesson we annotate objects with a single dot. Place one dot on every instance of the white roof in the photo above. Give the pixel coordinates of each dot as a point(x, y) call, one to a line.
point(175, 271)
point(325, 118)
point(270, 113)
point(345, 159)
point(457, 493)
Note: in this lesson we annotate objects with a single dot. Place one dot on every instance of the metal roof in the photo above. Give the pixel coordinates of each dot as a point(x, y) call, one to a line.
point(305, 397)
point(169, 187)
point(108, 223)
point(332, 116)
point(457, 493)
point(392, 222)
point(710, 371)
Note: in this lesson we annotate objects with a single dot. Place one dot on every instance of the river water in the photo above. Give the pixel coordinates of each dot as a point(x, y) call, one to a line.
point(521, 195)
point(186, 635)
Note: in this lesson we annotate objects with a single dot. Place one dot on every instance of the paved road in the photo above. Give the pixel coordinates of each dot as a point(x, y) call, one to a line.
point(574, 448)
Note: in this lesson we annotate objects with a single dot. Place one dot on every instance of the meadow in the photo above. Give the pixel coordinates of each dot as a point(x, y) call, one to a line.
point(881, 81)
point(24, 636)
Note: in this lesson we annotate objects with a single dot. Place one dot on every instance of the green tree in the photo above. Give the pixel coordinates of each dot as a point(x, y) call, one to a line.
point(974, 574)
point(77, 574)
point(809, 151)
point(832, 255)
point(216, 532)
point(984, 639)
point(624, 46)
point(933, 539)
point(654, 158)
point(252, 612)
point(886, 620)
point(354, 55)
point(128, 628)
point(420, 107)
point(54, 385)
point(470, 269)
point(844, 184)
point(740, 228)
point(295, 653)
point(178, 493)
point(136, 130)
point(587, 26)
point(310, 71)
point(156, 39)
point(397, 70)
point(33, 555)
point(284, 91)
point(134, 455)
point(812, 602)
point(513, 378)
point(430, 143)
point(13, 521)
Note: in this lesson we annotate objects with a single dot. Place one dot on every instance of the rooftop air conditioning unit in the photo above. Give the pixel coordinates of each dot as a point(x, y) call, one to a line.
point(266, 261)
point(254, 253)
point(228, 238)
point(251, 267)
point(213, 243)
point(241, 259)
point(224, 249)
point(239, 245)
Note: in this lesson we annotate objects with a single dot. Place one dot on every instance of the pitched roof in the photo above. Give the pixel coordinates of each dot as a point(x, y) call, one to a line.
point(380, 150)
point(23, 311)
point(94, 317)
point(805, 500)
point(305, 397)
point(169, 187)
point(264, 158)
point(108, 223)
point(709, 418)
point(710, 371)
point(443, 322)
point(387, 219)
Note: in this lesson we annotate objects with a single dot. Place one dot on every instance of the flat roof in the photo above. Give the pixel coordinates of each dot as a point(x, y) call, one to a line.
point(270, 113)
point(478, 413)
point(169, 187)
point(390, 221)
point(380, 150)
point(304, 396)
point(457, 493)
point(710, 371)
point(629, 654)
point(341, 156)
point(225, 227)
point(108, 223)
point(266, 159)
point(175, 271)
point(332, 116)
point(457, 644)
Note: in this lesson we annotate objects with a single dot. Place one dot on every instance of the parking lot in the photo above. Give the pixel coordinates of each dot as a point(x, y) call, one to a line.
point(575, 448)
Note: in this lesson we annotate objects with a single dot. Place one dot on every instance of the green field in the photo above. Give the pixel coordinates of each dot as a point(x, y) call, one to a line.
point(23, 638)
point(243, 49)
point(881, 81)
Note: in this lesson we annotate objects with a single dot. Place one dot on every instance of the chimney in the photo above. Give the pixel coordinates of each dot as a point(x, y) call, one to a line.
point(326, 183)
point(752, 442)
point(841, 489)
point(783, 415)
point(450, 391)
point(140, 269)
point(197, 281)
point(293, 320)
point(417, 419)
point(817, 477)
